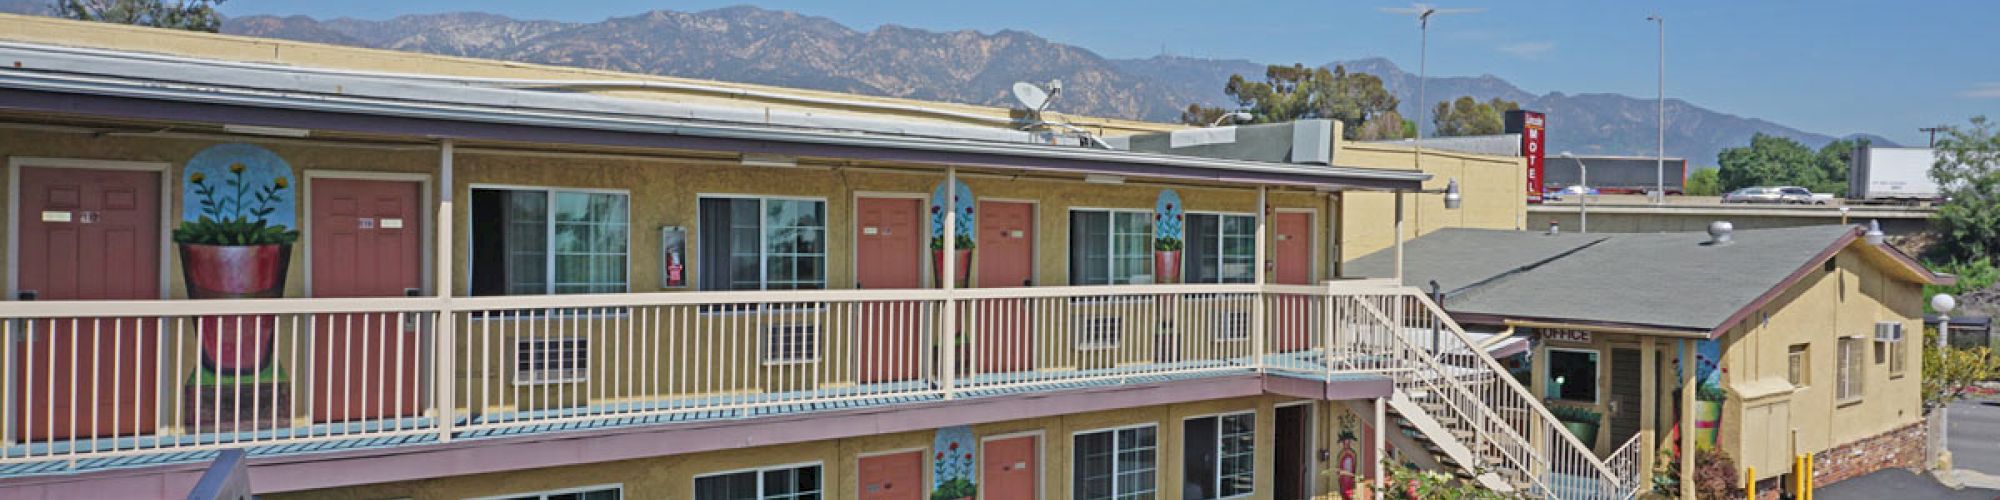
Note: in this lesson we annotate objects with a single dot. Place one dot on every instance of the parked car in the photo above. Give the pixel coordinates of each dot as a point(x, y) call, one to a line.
point(1803, 196)
point(1754, 195)
point(1566, 192)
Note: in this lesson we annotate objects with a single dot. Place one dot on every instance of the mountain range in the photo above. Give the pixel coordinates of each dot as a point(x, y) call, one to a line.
point(753, 45)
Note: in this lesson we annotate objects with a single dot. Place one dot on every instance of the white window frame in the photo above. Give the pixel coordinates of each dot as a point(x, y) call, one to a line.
point(1597, 391)
point(1111, 237)
point(1221, 237)
point(1157, 437)
point(1850, 370)
point(694, 488)
point(549, 225)
point(1802, 359)
point(764, 235)
point(618, 487)
point(1252, 455)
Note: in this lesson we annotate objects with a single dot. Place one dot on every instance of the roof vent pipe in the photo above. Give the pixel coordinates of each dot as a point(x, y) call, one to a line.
point(1720, 232)
point(1874, 234)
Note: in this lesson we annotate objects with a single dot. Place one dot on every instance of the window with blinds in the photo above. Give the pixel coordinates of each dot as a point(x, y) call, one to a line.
point(1849, 369)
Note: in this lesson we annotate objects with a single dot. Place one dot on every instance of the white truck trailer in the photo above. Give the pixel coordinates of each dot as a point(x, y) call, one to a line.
point(1891, 175)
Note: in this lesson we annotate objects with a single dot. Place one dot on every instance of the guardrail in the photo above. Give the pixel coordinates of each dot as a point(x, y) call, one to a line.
point(100, 379)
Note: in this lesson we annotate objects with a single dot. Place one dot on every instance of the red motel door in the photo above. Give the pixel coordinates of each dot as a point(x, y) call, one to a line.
point(1293, 314)
point(1009, 470)
point(889, 237)
point(1006, 259)
point(88, 235)
point(366, 242)
point(896, 476)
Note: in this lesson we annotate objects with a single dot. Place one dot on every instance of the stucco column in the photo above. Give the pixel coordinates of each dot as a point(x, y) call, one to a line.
point(1687, 419)
point(1381, 439)
point(1399, 237)
point(444, 353)
point(948, 337)
point(1649, 403)
point(1260, 311)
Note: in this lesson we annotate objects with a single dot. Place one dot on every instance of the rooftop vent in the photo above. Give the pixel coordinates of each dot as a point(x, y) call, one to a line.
point(1554, 227)
point(1720, 232)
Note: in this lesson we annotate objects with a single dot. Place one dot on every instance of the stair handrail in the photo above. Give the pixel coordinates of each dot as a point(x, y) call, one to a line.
point(1533, 456)
point(1540, 410)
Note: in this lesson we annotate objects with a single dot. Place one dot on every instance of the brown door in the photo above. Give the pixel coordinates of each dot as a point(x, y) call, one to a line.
point(88, 235)
point(1294, 248)
point(888, 237)
point(1292, 315)
point(895, 476)
point(1009, 470)
point(1006, 259)
point(366, 242)
point(1293, 453)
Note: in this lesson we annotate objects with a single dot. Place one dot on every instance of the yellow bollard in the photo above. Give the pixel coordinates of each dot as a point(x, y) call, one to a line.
point(1810, 482)
point(1750, 483)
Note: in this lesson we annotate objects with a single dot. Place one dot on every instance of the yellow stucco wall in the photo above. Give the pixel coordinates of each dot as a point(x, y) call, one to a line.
point(673, 476)
point(1493, 188)
point(1817, 312)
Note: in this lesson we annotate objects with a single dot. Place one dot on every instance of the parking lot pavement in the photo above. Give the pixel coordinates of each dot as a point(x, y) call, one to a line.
point(1899, 484)
point(1975, 436)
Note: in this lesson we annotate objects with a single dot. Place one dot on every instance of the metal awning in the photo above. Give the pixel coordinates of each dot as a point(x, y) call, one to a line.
point(126, 85)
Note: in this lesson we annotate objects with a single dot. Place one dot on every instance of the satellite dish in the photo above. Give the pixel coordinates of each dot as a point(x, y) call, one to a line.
point(1030, 96)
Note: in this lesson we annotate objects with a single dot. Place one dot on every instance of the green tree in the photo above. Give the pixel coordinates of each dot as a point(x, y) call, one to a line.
point(1949, 372)
point(1465, 116)
point(191, 15)
point(1704, 182)
point(1968, 175)
point(1294, 92)
point(1771, 160)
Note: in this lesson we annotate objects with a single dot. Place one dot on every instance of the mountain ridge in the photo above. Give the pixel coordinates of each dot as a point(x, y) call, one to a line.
point(783, 48)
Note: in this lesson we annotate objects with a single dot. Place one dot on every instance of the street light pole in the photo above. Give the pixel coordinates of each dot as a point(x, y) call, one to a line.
point(1660, 172)
point(1582, 195)
point(1943, 304)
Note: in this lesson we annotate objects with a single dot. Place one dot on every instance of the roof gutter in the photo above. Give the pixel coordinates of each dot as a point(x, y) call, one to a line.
point(1606, 328)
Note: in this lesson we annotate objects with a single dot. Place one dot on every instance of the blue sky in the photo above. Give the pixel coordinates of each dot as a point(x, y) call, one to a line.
point(1834, 67)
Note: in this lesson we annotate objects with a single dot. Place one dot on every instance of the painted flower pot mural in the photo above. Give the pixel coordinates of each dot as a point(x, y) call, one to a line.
point(952, 468)
point(967, 225)
point(235, 242)
point(1707, 414)
point(1167, 237)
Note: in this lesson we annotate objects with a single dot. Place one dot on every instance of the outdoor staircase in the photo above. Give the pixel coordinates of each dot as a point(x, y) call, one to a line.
point(1459, 409)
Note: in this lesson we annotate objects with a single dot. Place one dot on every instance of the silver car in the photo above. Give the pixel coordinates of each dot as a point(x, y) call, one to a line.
point(1755, 195)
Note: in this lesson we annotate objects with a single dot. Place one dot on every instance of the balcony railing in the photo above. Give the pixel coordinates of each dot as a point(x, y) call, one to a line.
point(107, 380)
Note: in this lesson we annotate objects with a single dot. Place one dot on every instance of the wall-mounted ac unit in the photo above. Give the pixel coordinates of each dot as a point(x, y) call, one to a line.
point(1888, 331)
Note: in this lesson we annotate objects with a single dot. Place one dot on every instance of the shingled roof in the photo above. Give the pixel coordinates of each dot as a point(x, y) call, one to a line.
point(1676, 281)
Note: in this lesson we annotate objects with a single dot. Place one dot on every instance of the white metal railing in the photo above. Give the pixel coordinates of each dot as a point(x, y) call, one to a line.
point(1624, 463)
point(123, 377)
point(1479, 398)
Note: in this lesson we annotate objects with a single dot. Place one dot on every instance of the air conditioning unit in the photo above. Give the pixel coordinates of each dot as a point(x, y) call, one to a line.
point(1888, 331)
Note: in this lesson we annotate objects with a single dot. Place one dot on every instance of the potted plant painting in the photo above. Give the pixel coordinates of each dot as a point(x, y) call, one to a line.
point(1167, 249)
point(1581, 422)
point(962, 256)
point(234, 243)
point(954, 467)
point(1708, 399)
point(962, 238)
point(1167, 237)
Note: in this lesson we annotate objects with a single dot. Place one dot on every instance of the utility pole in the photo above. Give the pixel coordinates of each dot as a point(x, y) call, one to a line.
point(1660, 174)
point(1933, 131)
